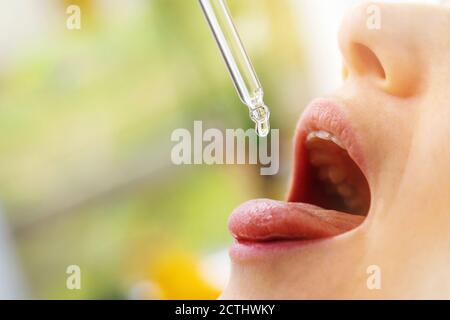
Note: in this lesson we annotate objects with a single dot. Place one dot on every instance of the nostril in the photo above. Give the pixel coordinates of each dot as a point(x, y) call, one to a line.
point(388, 59)
point(365, 61)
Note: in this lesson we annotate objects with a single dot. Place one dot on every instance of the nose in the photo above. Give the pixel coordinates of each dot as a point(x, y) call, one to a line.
point(378, 46)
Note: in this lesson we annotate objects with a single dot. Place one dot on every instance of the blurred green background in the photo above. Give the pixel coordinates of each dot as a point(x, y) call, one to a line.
point(85, 123)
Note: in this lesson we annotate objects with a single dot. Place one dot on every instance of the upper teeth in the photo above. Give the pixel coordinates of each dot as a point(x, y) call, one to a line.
point(324, 135)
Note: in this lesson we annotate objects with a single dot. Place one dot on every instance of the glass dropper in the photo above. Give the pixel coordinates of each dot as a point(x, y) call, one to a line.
point(242, 73)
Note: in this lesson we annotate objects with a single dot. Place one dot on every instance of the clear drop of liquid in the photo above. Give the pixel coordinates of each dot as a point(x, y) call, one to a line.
point(260, 114)
point(262, 128)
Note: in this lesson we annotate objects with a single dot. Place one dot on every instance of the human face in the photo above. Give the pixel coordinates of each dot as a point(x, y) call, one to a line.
point(388, 197)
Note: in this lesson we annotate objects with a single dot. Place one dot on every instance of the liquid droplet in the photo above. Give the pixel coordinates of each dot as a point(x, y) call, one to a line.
point(260, 115)
point(262, 128)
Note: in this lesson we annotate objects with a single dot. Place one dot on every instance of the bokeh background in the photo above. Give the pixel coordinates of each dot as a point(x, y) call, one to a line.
point(85, 123)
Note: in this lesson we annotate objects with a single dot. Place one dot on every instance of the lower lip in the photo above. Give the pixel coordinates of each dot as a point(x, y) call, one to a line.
point(248, 250)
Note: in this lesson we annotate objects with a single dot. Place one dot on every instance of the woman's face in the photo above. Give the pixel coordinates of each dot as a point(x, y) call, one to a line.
point(369, 218)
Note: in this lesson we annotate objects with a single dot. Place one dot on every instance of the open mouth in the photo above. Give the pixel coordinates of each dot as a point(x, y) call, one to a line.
point(332, 180)
point(329, 193)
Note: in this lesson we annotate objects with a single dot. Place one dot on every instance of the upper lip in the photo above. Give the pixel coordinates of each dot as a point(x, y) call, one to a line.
point(268, 220)
point(328, 115)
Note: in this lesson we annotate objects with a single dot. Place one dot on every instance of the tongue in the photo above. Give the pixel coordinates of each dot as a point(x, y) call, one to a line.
point(268, 220)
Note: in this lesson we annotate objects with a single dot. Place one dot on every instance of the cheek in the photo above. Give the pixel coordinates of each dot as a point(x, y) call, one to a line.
point(388, 131)
point(434, 139)
point(428, 168)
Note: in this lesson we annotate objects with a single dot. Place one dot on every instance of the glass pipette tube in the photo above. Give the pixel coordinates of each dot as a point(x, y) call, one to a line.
point(242, 73)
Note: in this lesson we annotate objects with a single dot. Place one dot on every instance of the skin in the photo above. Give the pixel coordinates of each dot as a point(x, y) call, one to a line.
point(396, 92)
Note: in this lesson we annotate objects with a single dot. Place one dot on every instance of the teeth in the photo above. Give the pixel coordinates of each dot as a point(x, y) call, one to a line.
point(332, 167)
point(318, 158)
point(336, 174)
point(345, 190)
point(354, 203)
point(337, 141)
point(324, 135)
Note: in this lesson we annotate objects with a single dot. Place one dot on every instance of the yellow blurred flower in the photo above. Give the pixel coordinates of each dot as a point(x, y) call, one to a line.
point(178, 276)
